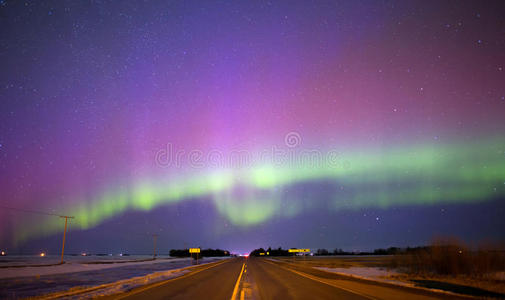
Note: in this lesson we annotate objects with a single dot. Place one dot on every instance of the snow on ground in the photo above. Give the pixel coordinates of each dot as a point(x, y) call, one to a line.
point(122, 286)
point(36, 281)
point(76, 264)
point(453, 286)
point(370, 273)
point(273, 259)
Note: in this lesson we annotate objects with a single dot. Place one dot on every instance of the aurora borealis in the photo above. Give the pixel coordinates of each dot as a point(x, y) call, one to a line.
point(234, 124)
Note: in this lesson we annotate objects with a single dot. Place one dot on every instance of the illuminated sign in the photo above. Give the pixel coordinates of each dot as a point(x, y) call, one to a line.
point(194, 250)
point(262, 253)
point(299, 250)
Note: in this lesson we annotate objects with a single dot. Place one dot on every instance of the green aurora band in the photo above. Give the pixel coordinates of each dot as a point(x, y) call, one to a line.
point(425, 174)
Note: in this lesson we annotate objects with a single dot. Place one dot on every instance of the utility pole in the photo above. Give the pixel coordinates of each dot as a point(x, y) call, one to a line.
point(64, 234)
point(154, 245)
point(47, 214)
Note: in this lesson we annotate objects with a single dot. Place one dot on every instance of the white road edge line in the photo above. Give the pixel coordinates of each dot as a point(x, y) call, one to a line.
point(160, 283)
point(327, 283)
point(235, 290)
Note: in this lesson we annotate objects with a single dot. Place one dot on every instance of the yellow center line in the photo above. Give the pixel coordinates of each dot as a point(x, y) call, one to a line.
point(235, 290)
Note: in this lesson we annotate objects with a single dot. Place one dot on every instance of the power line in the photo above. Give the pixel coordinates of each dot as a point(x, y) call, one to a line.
point(47, 214)
point(32, 211)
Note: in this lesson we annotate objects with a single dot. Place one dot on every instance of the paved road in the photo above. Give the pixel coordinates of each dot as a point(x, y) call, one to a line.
point(210, 281)
point(259, 278)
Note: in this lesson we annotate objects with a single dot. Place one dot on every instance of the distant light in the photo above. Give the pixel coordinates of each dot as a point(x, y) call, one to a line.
point(42, 254)
point(3, 253)
point(83, 254)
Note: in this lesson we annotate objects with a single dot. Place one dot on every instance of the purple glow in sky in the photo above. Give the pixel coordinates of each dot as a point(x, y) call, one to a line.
point(408, 95)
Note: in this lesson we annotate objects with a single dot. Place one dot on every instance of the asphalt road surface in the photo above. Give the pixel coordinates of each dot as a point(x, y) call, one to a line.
point(261, 278)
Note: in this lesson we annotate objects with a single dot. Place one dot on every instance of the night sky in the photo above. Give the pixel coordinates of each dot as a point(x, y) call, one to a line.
point(245, 124)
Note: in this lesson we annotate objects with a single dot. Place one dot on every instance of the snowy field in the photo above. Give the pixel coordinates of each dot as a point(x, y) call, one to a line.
point(370, 273)
point(21, 278)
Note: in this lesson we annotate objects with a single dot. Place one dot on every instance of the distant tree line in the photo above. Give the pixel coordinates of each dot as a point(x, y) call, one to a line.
point(272, 252)
point(380, 251)
point(323, 252)
point(203, 253)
